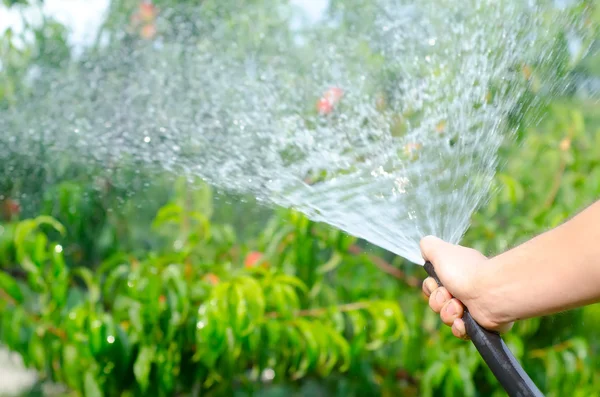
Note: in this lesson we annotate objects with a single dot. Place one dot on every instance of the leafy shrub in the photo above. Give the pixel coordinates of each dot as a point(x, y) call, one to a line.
point(177, 319)
point(181, 291)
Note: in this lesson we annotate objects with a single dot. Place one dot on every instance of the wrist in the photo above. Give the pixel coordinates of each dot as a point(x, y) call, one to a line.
point(490, 294)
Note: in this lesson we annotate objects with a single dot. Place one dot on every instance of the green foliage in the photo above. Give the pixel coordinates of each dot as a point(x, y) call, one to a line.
point(176, 319)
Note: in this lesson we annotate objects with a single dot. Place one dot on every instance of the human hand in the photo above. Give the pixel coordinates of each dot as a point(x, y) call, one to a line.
point(463, 271)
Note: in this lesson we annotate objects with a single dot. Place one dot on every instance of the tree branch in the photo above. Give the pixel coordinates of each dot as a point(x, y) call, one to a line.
point(541, 353)
point(316, 312)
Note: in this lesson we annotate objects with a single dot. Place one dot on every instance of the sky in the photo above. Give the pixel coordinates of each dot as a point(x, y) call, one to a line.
point(83, 17)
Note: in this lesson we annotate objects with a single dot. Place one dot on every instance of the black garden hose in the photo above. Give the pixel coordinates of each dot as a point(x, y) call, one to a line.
point(496, 354)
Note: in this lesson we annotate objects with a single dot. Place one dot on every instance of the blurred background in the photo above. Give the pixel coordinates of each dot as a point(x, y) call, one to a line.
point(110, 289)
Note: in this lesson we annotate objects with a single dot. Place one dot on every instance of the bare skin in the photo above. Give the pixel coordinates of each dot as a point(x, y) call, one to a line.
point(556, 271)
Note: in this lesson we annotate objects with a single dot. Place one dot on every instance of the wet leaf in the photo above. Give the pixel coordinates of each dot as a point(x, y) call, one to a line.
point(37, 352)
point(91, 387)
point(90, 281)
point(116, 274)
point(142, 366)
point(433, 376)
point(331, 264)
point(11, 287)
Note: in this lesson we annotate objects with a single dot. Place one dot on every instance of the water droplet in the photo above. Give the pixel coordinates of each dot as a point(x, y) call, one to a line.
point(235, 119)
point(267, 375)
point(110, 339)
point(58, 248)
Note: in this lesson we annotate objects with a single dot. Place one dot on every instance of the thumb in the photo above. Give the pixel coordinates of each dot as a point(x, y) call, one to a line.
point(433, 249)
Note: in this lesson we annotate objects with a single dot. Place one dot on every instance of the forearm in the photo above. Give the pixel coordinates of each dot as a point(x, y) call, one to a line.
point(555, 271)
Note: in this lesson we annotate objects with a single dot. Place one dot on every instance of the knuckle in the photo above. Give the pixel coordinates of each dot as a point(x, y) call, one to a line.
point(433, 304)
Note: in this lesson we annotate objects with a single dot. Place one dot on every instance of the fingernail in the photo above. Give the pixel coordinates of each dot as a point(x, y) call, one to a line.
point(451, 309)
point(428, 286)
point(439, 297)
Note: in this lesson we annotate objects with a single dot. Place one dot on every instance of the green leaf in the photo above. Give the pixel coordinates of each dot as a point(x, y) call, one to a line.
point(173, 276)
point(11, 287)
point(388, 323)
point(204, 231)
point(343, 351)
point(331, 264)
point(467, 381)
point(115, 275)
point(170, 213)
point(359, 333)
point(310, 353)
point(253, 297)
point(72, 365)
point(97, 335)
point(40, 248)
point(239, 311)
point(59, 279)
point(48, 220)
point(569, 362)
point(291, 280)
point(25, 228)
point(580, 346)
point(37, 352)
point(16, 327)
point(211, 339)
point(552, 364)
point(433, 376)
point(142, 366)
point(91, 388)
point(515, 344)
point(88, 277)
point(112, 262)
point(514, 192)
point(330, 351)
point(277, 239)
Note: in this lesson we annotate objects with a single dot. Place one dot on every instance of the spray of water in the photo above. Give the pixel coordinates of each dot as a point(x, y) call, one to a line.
point(389, 132)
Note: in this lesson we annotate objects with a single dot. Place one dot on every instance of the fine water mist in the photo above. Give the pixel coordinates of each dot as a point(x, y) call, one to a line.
point(387, 127)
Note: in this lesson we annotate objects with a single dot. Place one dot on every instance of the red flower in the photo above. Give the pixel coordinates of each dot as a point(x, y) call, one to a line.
point(324, 106)
point(334, 94)
point(144, 18)
point(147, 11)
point(213, 278)
point(331, 98)
point(253, 258)
point(148, 31)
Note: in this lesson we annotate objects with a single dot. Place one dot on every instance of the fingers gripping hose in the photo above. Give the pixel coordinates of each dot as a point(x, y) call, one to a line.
point(496, 354)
